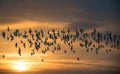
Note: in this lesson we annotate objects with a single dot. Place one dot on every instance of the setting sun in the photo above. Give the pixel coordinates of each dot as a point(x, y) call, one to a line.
point(20, 66)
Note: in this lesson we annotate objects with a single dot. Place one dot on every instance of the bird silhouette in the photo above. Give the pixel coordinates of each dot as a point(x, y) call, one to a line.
point(42, 60)
point(3, 56)
point(33, 52)
point(78, 58)
point(19, 51)
point(3, 35)
point(16, 44)
point(8, 29)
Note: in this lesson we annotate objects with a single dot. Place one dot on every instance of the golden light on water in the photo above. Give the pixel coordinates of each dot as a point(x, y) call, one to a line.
point(20, 66)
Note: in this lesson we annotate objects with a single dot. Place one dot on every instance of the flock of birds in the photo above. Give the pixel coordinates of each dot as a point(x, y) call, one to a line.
point(93, 41)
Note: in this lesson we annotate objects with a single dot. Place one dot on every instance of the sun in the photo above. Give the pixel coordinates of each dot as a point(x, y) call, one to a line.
point(20, 66)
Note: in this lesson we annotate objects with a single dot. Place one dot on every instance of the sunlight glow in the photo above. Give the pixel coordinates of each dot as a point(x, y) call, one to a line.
point(20, 66)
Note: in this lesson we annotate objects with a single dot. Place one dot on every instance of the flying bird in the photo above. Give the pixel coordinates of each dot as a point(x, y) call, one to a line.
point(19, 51)
point(3, 56)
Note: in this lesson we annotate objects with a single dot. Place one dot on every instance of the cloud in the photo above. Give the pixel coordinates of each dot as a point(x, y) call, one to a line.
point(64, 71)
point(39, 10)
point(88, 25)
point(10, 20)
point(77, 71)
point(78, 13)
point(59, 11)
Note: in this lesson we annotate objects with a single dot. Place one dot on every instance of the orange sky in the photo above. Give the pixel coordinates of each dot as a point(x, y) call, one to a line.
point(56, 59)
point(58, 15)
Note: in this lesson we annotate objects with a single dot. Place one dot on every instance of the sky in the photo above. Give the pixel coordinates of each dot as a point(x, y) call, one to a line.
point(58, 15)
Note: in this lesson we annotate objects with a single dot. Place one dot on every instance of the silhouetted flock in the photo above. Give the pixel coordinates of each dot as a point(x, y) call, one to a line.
point(93, 41)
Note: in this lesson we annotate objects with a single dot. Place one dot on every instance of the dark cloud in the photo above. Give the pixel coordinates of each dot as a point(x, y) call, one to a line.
point(83, 24)
point(65, 71)
point(97, 14)
point(90, 25)
point(39, 10)
point(77, 71)
point(60, 11)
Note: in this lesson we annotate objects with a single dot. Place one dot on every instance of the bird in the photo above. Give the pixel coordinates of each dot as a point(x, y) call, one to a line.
point(24, 45)
point(81, 30)
point(42, 60)
point(65, 51)
point(16, 44)
point(81, 45)
point(21, 41)
point(8, 29)
point(30, 31)
point(8, 38)
point(12, 37)
point(87, 50)
point(32, 53)
point(3, 35)
point(42, 33)
point(106, 51)
point(3, 56)
point(53, 51)
point(78, 58)
point(19, 51)
point(73, 51)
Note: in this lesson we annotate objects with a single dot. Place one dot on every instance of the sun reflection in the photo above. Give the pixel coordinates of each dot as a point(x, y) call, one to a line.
point(20, 66)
